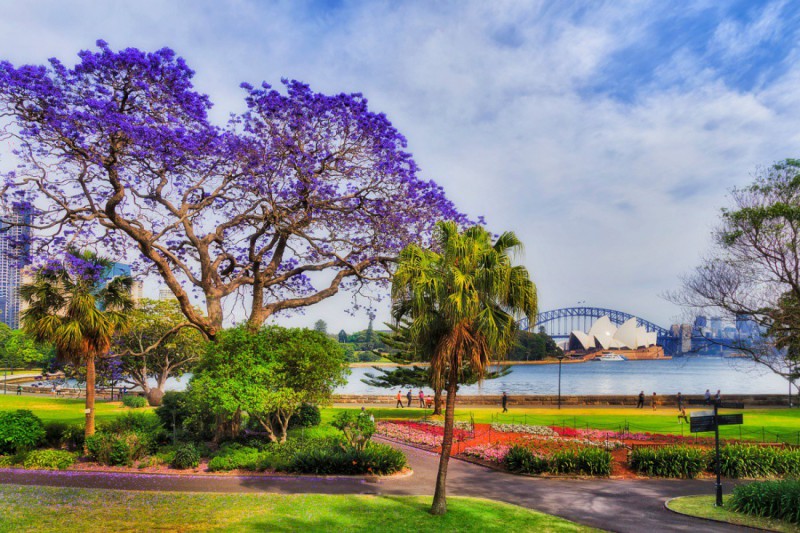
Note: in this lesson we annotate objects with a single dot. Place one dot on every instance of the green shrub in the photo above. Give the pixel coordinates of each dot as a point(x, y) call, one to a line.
point(50, 459)
point(234, 456)
point(147, 426)
point(193, 420)
point(752, 461)
point(54, 433)
point(588, 461)
point(20, 430)
point(133, 401)
point(6, 461)
point(307, 416)
point(774, 499)
point(72, 437)
point(358, 428)
point(522, 460)
point(186, 456)
point(668, 461)
point(375, 458)
point(117, 449)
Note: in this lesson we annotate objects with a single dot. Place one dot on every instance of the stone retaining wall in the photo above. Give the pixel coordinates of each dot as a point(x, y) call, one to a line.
point(750, 400)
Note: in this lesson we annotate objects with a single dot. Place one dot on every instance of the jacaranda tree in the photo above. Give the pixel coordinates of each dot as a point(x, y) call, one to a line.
point(299, 196)
point(77, 307)
point(463, 298)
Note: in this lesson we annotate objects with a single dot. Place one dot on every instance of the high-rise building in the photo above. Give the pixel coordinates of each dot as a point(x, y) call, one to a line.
point(15, 234)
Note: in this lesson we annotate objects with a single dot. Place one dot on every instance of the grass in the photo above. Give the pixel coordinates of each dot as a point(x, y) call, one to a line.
point(44, 509)
point(68, 410)
point(770, 425)
point(703, 507)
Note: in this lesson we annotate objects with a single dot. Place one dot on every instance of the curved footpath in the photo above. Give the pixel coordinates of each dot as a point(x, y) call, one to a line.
point(613, 505)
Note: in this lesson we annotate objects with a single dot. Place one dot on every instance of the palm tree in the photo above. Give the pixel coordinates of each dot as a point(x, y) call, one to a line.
point(72, 306)
point(463, 300)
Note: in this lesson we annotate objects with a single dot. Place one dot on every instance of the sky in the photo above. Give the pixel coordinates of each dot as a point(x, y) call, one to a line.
point(607, 135)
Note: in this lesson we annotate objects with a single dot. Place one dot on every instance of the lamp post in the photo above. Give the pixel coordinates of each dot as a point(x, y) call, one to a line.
point(560, 358)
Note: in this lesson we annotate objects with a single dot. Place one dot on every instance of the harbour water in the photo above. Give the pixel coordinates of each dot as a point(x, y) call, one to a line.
point(689, 375)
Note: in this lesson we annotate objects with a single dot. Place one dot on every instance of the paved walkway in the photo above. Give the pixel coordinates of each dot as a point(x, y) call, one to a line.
point(613, 505)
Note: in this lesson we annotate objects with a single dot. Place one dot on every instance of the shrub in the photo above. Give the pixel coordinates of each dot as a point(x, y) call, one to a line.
point(586, 461)
point(668, 461)
point(6, 461)
point(773, 499)
point(374, 458)
point(50, 459)
point(117, 449)
point(193, 420)
point(522, 460)
point(186, 456)
point(134, 402)
point(234, 456)
point(358, 428)
point(72, 437)
point(20, 430)
point(307, 416)
point(54, 433)
point(147, 426)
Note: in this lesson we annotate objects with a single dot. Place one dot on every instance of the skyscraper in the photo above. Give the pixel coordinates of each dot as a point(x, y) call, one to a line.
point(15, 234)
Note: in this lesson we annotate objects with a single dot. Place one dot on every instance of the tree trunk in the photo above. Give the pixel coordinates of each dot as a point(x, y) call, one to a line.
point(439, 506)
point(154, 397)
point(90, 379)
point(437, 402)
point(228, 428)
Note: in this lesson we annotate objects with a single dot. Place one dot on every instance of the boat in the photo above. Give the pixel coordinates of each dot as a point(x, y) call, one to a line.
point(610, 357)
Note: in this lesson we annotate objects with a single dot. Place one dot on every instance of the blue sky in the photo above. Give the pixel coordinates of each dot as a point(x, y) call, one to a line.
point(606, 134)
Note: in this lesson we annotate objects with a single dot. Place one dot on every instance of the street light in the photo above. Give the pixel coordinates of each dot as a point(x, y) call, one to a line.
point(560, 358)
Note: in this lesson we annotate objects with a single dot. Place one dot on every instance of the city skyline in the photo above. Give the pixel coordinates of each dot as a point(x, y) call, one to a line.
point(605, 136)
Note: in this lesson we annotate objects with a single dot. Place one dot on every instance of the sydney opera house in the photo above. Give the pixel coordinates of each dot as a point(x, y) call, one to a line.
point(604, 335)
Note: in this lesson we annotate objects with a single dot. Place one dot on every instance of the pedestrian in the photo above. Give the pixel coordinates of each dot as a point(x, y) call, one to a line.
point(504, 400)
point(640, 403)
point(654, 401)
point(680, 402)
point(717, 397)
point(421, 399)
point(19, 390)
point(682, 415)
point(409, 396)
point(399, 399)
point(708, 397)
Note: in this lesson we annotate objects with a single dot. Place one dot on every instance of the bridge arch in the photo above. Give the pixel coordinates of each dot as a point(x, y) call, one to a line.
point(558, 323)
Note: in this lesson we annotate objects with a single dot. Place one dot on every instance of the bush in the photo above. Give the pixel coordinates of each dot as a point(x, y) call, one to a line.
point(234, 456)
point(186, 456)
point(375, 458)
point(193, 421)
point(773, 499)
point(358, 428)
point(117, 449)
point(307, 416)
point(72, 437)
point(50, 459)
point(134, 401)
point(368, 357)
point(20, 430)
point(6, 461)
point(54, 433)
point(585, 461)
point(522, 460)
point(145, 425)
point(668, 461)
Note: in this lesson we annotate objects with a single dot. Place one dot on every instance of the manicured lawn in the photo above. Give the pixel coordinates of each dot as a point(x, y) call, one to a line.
point(703, 507)
point(779, 424)
point(62, 409)
point(43, 509)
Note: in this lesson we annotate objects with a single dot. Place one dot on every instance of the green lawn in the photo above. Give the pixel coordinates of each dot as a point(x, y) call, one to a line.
point(61, 409)
point(771, 425)
point(703, 507)
point(42, 509)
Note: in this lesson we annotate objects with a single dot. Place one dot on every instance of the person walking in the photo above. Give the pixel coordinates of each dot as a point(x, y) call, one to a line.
point(399, 399)
point(717, 397)
point(421, 399)
point(708, 397)
point(682, 415)
point(504, 401)
point(654, 401)
point(680, 402)
point(640, 403)
point(19, 390)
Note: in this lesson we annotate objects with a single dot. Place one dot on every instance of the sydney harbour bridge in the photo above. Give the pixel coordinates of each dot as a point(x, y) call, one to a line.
point(558, 323)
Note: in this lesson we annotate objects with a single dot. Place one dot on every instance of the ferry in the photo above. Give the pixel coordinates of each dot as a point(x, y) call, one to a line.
point(610, 357)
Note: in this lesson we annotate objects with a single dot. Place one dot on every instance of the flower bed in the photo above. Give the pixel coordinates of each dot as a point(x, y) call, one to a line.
point(493, 453)
point(408, 433)
point(543, 431)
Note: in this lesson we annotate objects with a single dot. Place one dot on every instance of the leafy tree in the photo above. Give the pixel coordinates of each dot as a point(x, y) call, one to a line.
point(419, 377)
point(342, 336)
point(17, 349)
point(299, 183)
point(74, 306)
point(753, 269)
point(269, 374)
point(533, 347)
point(321, 326)
point(155, 347)
point(461, 300)
point(358, 428)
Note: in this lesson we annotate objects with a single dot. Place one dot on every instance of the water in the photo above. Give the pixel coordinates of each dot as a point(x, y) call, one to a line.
point(689, 375)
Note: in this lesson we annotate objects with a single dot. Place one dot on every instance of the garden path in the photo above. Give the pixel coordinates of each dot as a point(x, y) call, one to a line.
point(613, 505)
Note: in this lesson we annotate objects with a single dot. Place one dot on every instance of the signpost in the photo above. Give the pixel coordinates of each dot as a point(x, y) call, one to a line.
point(702, 421)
